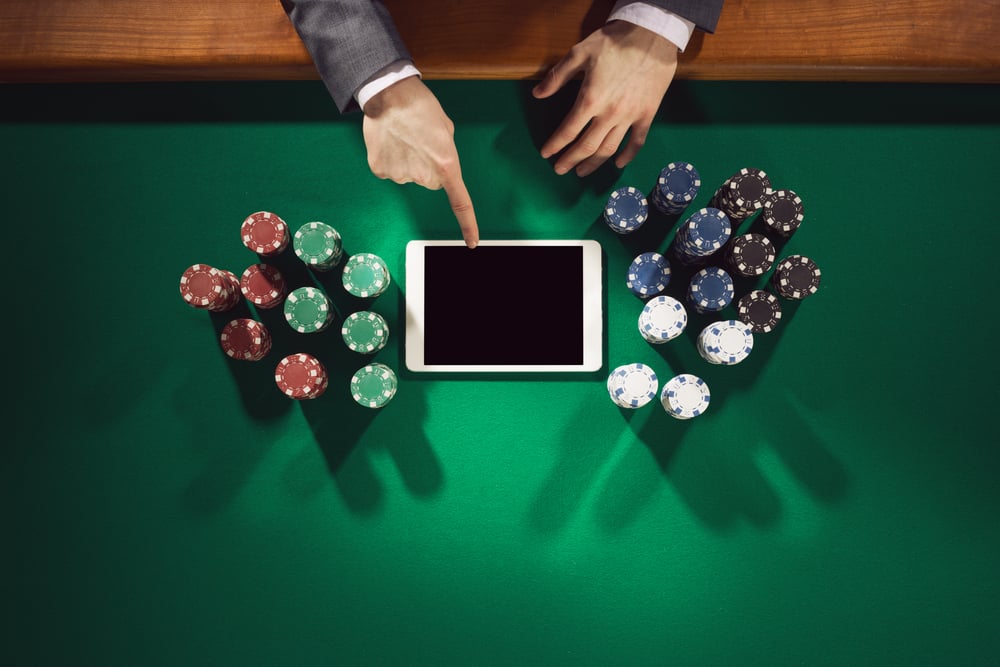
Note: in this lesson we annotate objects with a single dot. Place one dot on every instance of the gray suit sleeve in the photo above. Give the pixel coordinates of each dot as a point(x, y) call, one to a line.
point(703, 13)
point(349, 41)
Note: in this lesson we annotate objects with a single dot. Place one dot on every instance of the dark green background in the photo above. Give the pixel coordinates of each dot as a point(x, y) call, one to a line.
point(837, 504)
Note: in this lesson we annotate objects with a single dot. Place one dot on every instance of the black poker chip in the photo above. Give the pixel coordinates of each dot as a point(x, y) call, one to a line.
point(783, 212)
point(796, 277)
point(750, 255)
point(759, 310)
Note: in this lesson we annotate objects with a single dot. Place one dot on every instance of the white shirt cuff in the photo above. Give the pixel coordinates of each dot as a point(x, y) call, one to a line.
point(668, 25)
point(382, 79)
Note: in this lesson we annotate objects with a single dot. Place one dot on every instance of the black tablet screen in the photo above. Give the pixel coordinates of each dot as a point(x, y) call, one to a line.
point(503, 305)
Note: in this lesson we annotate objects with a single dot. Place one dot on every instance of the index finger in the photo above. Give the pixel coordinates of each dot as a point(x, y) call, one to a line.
point(461, 206)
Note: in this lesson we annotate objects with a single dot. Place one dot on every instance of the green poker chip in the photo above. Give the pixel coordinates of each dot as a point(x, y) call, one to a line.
point(308, 310)
point(366, 275)
point(365, 332)
point(374, 386)
point(318, 245)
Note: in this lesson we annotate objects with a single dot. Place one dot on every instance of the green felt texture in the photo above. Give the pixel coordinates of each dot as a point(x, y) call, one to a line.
point(837, 504)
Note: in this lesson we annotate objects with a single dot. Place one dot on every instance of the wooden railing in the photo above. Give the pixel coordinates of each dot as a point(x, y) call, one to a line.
point(860, 40)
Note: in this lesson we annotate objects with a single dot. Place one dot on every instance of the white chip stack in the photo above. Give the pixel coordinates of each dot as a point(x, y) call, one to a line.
point(685, 396)
point(662, 319)
point(726, 342)
point(632, 385)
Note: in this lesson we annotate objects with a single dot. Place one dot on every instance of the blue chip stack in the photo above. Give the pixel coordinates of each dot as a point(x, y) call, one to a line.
point(648, 275)
point(626, 210)
point(701, 235)
point(710, 290)
point(676, 188)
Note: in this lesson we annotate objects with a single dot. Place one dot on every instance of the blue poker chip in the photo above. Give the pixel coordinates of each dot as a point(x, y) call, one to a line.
point(626, 210)
point(710, 290)
point(708, 228)
point(676, 187)
point(649, 274)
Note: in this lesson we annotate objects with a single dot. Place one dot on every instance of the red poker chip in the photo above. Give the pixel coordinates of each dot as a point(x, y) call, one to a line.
point(301, 376)
point(245, 339)
point(264, 233)
point(205, 287)
point(232, 291)
point(263, 285)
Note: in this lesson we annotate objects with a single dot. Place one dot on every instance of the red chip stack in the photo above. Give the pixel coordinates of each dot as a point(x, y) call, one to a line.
point(208, 288)
point(301, 376)
point(263, 285)
point(245, 339)
point(264, 233)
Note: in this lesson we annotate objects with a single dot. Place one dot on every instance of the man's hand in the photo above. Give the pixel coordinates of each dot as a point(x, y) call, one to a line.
point(411, 140)
point(626, 72)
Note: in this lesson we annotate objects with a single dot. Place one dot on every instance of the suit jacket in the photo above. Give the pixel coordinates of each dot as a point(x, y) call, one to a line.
point(703, 13)
point(350, 40)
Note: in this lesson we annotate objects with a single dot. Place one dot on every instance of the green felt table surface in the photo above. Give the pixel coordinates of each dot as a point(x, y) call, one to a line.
point(837, 504)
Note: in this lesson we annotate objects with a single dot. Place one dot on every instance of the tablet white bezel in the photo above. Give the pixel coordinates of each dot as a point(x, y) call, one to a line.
point(593, 316)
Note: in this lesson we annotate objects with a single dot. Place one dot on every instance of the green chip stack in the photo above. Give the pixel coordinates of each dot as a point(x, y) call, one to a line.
point(366, 275)
point(365, 332)
point(318, 245)
point(308, 310)
point(374, 386)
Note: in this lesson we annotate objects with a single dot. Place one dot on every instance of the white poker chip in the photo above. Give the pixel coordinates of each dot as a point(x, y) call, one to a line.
point(632, 385)
point(685, 396)
point(726, 342)
point(662, 319)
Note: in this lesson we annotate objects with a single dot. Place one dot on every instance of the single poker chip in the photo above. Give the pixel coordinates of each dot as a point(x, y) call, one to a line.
point(662, 319)
point(245, 339)
point(711, 289)
point(750, 255)
point(263, 285)
point(264, 233)
point(319, 245)
point(365, 332)
point(308, 310)
point(760, 310)
point(366, 275)
point(203, 286)
point(726, 342)
point(649, 274)
point(783, 212)
point(301, 376)
point(626, 210)
point(677, 186)
point(374, 385)
point(685, 396)
point(796, 277)
point(632, 385)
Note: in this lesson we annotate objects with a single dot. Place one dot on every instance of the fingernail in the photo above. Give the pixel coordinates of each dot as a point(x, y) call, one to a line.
point(561, 170)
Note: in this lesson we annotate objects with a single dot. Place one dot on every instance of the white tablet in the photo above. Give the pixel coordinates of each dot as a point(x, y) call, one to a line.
point(504, 306)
